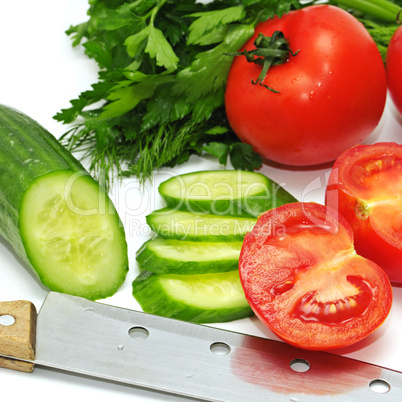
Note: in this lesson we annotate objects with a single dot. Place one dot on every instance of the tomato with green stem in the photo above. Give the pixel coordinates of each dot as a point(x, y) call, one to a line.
point(324, 92)
point(394, 68)
point(305, 282)
point(365, 186)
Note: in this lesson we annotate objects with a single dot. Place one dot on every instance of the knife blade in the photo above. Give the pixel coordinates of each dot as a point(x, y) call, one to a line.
point(197, 361)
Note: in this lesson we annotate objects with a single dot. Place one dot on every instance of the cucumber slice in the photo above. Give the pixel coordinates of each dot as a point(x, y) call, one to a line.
point(72, 235)
point(204, 298)
point(56, 218)
point(186, 257)
point(183, 225)
point(224, 192)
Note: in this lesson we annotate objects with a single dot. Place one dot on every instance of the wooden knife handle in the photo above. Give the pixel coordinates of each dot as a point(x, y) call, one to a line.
point(17, 335)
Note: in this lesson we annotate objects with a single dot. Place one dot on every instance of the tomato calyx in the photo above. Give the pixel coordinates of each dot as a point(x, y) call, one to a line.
point(269, 51)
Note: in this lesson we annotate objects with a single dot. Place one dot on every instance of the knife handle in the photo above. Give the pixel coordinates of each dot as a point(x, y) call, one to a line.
point(17, 335)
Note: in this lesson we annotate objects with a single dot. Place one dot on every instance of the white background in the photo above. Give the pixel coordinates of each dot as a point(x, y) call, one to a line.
point(39, 73)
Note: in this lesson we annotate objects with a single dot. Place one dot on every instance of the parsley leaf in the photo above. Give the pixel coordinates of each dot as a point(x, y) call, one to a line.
point(218, 149)
point(212, 20)
point(243, 157)
point(159, 48)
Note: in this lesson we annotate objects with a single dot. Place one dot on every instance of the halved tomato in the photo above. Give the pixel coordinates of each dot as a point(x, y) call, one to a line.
point(304, 281)
point(365, 186)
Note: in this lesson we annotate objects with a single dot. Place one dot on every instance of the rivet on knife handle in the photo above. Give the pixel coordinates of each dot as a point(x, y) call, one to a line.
point(17, 334)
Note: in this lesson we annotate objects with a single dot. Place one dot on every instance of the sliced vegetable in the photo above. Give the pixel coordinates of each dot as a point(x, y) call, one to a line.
point(319, 104)
point(224, 192)
point(204, 298)
point(304, 280)
point(187, 257)
point(58, 220)
point(365, 186)
point(194, 261)
point(182, 225)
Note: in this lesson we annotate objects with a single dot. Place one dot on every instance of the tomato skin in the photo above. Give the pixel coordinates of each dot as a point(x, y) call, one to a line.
point(394, 68)
point(365, 186)
point(328, 100)
point(304, 281)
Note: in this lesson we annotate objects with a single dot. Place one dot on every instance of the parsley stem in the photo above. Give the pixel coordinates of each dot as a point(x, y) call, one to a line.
point(381, 9)
point(134, 4)
point(155, 10)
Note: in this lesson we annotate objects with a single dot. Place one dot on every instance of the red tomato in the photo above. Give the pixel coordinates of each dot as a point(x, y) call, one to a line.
point(365, 186)
point(331, 94)
point(305, 282)
point(394, 68)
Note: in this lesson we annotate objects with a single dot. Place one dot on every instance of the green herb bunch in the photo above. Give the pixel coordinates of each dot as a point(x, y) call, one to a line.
point(160, 91)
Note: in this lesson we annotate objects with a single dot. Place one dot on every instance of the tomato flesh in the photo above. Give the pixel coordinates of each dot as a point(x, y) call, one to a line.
point(304, 281)
point(324, 104)
point(365, 186)
point(375, 177)
point(336, 311)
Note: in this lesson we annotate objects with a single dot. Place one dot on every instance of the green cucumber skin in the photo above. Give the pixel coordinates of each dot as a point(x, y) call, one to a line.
point(39, 153)
point(153, 300)
point(149, 260)
point(166, 233)
point(27, 152)
point(252, 206)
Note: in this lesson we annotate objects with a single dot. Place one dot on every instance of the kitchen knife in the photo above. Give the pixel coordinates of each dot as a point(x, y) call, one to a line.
point(73, 334)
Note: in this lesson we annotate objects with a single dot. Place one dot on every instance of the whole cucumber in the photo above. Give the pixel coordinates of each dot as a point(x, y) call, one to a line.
point(55, 216)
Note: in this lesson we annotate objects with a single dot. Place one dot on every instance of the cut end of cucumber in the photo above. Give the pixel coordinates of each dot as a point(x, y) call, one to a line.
point(161, 255)
point(194, 251)
point(182, 225)
point(224, 192)
point(206, 291)
point(73, 236)
point(203, 298)
point(215, 184)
